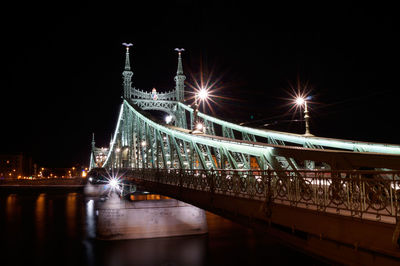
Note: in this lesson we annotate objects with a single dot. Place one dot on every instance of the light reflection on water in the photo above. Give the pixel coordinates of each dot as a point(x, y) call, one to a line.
point(90, 219)
point(11, 207)
point(59, 229)
point(71, 215)
point(40, 216)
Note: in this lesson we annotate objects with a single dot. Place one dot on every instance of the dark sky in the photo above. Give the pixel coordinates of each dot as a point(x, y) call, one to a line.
point(62, 64)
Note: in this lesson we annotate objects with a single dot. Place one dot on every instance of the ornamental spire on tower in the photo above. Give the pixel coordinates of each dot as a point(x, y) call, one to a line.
point(180, 68)
point(180, 77)
point(93, 142)
point(92, 163)
point(127, 74)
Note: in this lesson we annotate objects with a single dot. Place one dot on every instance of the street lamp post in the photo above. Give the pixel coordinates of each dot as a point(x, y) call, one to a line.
point(196, 108)
point(202, 95)
point(306, 118)
point(300, 101)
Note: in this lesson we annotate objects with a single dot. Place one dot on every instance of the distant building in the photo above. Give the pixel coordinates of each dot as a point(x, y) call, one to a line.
point(13, 165)
point(71, 172)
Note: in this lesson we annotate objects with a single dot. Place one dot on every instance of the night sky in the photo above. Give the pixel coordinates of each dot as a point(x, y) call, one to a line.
point(62, 63)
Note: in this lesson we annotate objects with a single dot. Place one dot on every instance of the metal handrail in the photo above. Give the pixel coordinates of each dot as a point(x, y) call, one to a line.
point(364, 194)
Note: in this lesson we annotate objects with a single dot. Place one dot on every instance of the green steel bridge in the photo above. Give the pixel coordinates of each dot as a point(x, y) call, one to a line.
point(308, 190)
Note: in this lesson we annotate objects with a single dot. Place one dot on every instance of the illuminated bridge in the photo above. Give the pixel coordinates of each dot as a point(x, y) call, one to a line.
point(309, 191)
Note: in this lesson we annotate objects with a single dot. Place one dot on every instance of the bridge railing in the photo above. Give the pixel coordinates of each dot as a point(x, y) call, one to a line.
point(372, 195)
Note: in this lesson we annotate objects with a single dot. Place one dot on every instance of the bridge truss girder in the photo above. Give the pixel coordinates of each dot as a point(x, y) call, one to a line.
point(170, 107)
point(140, 142)
point(282, 138)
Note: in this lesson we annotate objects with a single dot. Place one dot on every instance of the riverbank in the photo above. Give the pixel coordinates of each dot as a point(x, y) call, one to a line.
point(53, 183)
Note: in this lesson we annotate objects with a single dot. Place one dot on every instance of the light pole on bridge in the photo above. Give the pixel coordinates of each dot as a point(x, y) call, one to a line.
point(201, 95)
point(300, 101)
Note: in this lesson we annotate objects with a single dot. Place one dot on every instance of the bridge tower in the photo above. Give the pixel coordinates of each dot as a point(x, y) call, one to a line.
point(127, 74)
point(92, 163)
point(180, 77)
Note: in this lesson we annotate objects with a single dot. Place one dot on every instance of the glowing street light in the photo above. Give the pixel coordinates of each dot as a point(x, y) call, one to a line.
point(168, 119)
point(199, 126)
point(202, 94)
point(300, 101)
point(199, 129)
point(113, 183)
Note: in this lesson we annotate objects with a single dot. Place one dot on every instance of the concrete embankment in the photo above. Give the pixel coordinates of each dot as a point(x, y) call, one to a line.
point(53, 183)
point(122, 219)
point(139, 218)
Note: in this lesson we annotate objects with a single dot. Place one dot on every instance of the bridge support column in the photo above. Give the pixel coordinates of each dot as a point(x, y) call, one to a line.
point(122, 219)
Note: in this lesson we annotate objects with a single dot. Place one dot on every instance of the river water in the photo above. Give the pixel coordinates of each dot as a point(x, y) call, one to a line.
point(59, 228)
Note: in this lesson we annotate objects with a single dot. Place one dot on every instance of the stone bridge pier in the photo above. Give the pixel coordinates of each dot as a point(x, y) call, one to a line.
point(119, 218)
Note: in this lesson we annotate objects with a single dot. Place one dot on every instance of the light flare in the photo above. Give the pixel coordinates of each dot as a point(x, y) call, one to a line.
point(206, 88)
point(203, 94)
point(168, 119)
point(300, 100)
point(114, 183)
point(298, 94)
point(199, 126)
